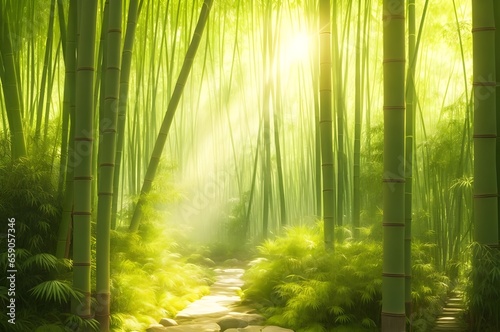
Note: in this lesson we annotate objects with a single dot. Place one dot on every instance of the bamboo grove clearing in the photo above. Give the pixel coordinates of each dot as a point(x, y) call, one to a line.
point(347, 148)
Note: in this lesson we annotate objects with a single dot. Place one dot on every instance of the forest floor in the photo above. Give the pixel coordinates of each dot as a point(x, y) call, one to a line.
point(220, 310)
point(450, 318)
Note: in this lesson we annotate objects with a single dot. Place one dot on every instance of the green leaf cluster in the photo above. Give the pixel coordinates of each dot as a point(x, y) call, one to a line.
point(299, 285)
point(482, 293)
point(429, 287)
point(29, 195)
point(150, 279)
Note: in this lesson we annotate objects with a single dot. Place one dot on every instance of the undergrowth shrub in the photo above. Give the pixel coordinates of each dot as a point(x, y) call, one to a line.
point(150, 280)
point(482, 293)
point(28, 199)
point(233, 241)
point(429, 287)
point(297, 284)
point(151, 277)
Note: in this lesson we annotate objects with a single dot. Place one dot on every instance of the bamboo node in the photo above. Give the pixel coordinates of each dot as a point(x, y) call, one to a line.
point(81, 264)
point(79, 178)
point(485, 195)
point(108, 131)
point(392, 180)
point(85, 69)
point(479, 29)
point(389, 314)
point(393, 224)
point(484, 136)
point(81, 213)
point(84, 139)
point(393, 275)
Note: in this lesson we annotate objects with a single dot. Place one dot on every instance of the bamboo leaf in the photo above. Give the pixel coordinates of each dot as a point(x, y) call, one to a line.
point(54, 290)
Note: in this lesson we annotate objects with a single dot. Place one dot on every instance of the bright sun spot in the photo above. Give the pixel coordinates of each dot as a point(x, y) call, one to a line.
point(298, 48)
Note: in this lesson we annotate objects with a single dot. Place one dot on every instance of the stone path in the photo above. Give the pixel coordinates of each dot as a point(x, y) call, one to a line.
point(450, 319)
point(219, 311)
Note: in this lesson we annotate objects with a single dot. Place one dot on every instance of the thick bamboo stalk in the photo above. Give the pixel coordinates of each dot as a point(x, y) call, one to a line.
point(107, 162)
point(325, 88)
point(496, 5)
point(485, 130)
point(393, 274)
point(83, 150)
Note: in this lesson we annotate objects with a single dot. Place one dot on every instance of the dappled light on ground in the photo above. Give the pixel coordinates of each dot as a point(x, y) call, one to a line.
point(220, 310)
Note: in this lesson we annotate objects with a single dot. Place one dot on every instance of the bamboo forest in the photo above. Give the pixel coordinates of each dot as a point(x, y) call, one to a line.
point(249, 165)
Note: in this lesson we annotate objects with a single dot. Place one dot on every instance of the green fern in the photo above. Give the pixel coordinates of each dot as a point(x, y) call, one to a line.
point(44, 261)
point(482, 293)
point(50, 328)
point(344, 319)
point(54, 290)
point(301, 286)
point(368, 322)
point(314, 328)
point(75, 322)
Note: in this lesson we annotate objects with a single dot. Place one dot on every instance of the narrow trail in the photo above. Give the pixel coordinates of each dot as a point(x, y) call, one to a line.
point(450, 318)
point(221, 310)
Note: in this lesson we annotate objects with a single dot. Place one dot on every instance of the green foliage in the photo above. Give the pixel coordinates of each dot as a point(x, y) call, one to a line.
point(150, 279)
point(371, 159)
point(149, 287)
point(29, 195)
point(303, 287)
point(300, 286)
point(429, 287)
point(237, 223)
point(75, 322)
point(482, 294)
point(54, 290)
point(50, 328)
point(42, 290)
point(233, 240)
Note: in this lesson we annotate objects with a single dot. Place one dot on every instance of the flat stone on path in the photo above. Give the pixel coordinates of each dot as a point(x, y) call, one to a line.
point(197, 310)
point(156, 328)
point(255, 328)
point(168, 322)
point(221, 310)
point(450, 319)
point(247, 316)
point(231, 322)
point(206, 327)
point(222, 296)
